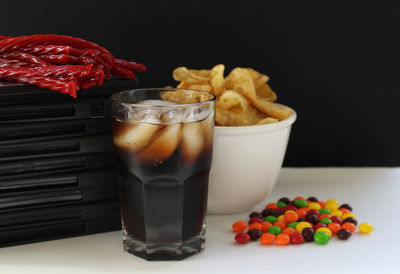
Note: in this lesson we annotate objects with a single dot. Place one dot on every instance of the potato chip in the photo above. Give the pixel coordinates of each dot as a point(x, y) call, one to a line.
point(236, 117)
point(191, 77)
point(258, 78)
point(240, 80)
point(243, 97)
point(217, 80)
point(268, 120)
point(265, 92)
point(182, 97)
point(274, 110)
point(232, 99)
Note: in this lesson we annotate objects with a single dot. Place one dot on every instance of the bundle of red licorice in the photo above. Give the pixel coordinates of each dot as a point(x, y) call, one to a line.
point(60, 62)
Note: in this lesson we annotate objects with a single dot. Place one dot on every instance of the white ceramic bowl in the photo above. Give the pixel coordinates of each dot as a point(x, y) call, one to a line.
point(246, 164)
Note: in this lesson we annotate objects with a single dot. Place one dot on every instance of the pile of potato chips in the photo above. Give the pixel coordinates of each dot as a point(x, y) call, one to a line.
point(243, 98)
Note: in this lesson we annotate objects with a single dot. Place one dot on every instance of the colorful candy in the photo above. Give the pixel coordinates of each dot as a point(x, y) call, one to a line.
point(350, 220)
point(296, 238)
point(270, 219)
point(300, 202)
point(267, 238)
point(290, 217)
point(293, 224)
point(254, 234)
point(282, 239)
point(312, 218)
point(337, 219)
point(256, 226)
point(242, 238)
point(299, 220)
point(326, 221)
point(300, 226)
point(239, 226)
point(365, 228)
point(321, 237)
point(319, 225)
point(326, 230)
point(334, 227)
point(275, 230)
point(255, 220)
point(314, 205)
point(308, 234)
point(324, 211)
point(265, 226)
point(349, 226)
point(288, 231)
point(347, 215)
point(343, 234)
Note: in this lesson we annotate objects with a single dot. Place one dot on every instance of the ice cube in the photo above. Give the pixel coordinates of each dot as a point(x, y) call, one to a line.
point(192, 141)
point(163, 146)
point(137, 137)
point(156, 103)
point(208, 128)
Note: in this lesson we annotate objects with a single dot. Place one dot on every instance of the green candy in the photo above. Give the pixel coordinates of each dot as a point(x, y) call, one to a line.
point(281, 204)
point(293, 225)
point(320, 237)
point(324, 211)
point(275, 230)
point(325, 221)
point(271, 219)
point(300, 203)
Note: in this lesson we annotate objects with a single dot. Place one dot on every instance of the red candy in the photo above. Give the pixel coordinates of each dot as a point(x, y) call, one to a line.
point(291, 207)
point(314, 211)
point(318, 225)
point(337, 219)
point(242, 238)
point(60, 62)
point(296, 238)
point(255, 220)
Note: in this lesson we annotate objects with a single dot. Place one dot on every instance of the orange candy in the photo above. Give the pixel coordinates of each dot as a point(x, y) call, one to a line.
point(289, 231)
point(290, 217)
point(282, 239)
point(324, 216)
point(350, 226)
point(265, 226)
point(281, 224)
point(271, 205)
point(239, 226)
point(322, 204)
point(302, 213)
point(298, 197)
point(344, 210)
point(256, 226)
point(334, 227)
point(267, 238)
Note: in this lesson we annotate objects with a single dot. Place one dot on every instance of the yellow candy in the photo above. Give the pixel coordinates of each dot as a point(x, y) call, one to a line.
point(280, 218)
point(326, 230)
point(332, 201)
point(290, 211)
point(314, 205)
point(365, 228)
point(347, 215)
point(337, 213)
point(332, 207)
point(300, 226)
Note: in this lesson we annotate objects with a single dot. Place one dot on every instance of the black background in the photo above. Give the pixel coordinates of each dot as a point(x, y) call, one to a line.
point(337, 66)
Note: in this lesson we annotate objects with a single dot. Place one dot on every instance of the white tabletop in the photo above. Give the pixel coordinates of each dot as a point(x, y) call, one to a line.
point(373, 192)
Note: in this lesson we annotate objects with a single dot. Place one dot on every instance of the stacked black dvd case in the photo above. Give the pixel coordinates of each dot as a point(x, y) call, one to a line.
point(57, 174)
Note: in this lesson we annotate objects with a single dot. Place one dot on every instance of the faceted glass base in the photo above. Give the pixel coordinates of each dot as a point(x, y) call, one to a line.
point(164, 251)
